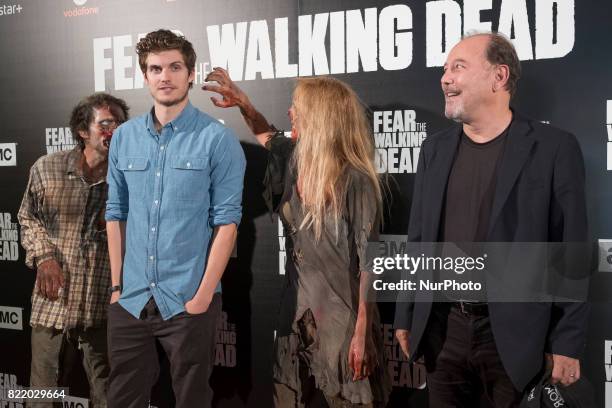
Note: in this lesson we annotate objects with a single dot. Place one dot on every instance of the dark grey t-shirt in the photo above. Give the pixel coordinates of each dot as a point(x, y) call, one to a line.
point(469, 198)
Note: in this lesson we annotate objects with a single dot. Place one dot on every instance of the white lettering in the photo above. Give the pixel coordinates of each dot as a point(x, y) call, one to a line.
point(121, 62)
point(312, 44)
point(259, 56)
point(101, 63)
point(281, 43)
point(443, 19)
point(392, 41)
point(515, 15)
point(227, 47)
point(471, 15)
point(545, 22)
point(361, 40)
point(336, 42)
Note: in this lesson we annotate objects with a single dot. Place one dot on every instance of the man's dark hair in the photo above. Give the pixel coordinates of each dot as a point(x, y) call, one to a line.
point(165, 40)
point(500, 51)
point(83, 113)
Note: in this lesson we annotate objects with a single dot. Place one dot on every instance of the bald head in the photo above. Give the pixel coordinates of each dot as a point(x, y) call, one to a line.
point(476, 43)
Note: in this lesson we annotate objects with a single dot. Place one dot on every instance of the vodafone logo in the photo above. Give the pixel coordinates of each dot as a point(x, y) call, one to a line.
point(79, 10)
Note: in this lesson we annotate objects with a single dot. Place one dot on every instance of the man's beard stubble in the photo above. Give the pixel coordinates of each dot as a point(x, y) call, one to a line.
point(173, 102)
point(456, 114)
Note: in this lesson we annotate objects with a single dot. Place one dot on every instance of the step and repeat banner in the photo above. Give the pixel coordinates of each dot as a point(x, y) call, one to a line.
point(55, 52)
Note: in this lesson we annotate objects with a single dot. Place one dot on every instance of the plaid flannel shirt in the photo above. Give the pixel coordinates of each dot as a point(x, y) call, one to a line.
point(62, 218)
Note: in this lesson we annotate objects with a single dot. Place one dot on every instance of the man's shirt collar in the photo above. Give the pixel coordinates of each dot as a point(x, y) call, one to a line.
point(75, 162)
point(177, 123)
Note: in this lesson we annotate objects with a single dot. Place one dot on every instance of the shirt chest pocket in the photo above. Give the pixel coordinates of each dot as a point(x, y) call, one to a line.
point(189, 178)
point(134, 172)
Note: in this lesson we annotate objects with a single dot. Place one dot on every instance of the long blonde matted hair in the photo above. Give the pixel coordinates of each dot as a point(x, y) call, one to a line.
point(334, 135)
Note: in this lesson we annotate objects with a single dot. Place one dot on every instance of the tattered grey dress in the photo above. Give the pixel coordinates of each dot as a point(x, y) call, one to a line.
point(320, 298)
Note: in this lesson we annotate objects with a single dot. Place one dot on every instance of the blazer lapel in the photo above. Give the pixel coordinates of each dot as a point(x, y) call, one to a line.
point(441, 165)
point(514, 157)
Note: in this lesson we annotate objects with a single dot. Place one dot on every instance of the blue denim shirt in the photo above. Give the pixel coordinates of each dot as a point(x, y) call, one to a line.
point(172, 188)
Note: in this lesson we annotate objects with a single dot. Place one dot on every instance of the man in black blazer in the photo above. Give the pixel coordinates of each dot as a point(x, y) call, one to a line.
point(497, 178)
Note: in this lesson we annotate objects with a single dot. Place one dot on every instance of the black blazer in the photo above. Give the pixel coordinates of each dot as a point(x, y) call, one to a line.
point(539, 197)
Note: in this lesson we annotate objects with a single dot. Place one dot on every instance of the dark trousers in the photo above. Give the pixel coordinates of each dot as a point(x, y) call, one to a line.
point(188, 340)
point(462, 361)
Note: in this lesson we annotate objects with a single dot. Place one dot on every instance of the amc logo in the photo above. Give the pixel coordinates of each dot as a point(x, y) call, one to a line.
point(74, 402)
point(605, 255)
point(609, 129)
point(8, 154)
point(11, 318)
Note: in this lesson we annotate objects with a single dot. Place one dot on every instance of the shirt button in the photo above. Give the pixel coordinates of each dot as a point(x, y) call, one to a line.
point(129, 166)
point(153, 229)
point(151, 257)
point(188, 164)
point(158, 174)
point(156, 202)
point(161, 147)
point(152, 284)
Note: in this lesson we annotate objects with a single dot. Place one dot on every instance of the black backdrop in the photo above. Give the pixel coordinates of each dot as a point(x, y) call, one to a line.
point(55, 52)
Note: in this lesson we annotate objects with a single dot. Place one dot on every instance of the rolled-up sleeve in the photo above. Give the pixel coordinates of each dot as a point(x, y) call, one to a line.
point(226, 181)
point(117, 204)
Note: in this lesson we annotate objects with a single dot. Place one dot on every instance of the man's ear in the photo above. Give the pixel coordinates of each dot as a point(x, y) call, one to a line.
point(84, 134)
point(501, 74)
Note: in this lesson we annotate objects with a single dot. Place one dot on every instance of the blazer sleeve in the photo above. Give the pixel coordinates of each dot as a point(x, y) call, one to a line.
point(568, 326)
point(404, 306)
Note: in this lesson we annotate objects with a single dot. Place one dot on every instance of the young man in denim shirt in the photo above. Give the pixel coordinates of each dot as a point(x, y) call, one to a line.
point(175, 189)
